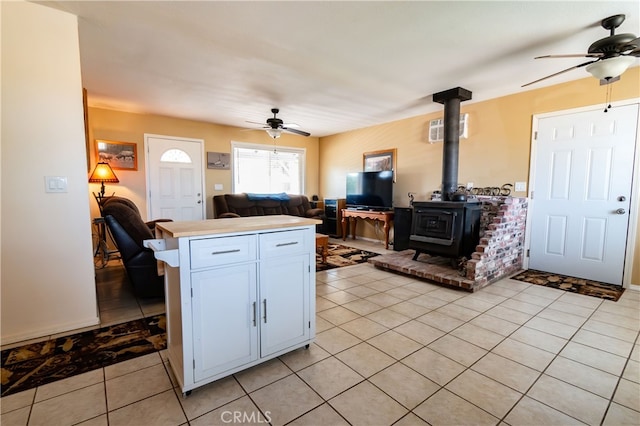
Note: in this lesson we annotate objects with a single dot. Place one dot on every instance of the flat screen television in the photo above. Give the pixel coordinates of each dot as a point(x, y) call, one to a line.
point(370, 190)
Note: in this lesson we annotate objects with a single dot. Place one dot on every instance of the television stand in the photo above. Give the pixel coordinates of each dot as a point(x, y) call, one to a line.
point(350, 217)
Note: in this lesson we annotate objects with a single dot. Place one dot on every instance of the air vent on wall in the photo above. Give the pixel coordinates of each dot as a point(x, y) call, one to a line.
point(436, 128)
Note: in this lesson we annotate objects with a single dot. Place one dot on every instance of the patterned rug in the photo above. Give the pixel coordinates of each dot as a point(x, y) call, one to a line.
point(574, 285)
point(340, 256)
point(37, 364)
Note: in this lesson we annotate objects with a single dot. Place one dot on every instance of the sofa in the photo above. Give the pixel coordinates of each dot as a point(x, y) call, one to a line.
point(128, 230)
point(243, 205)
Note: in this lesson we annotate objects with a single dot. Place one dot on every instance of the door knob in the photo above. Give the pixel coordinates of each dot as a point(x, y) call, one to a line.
point(622, 198)
point(199, 201)
point(621, 211)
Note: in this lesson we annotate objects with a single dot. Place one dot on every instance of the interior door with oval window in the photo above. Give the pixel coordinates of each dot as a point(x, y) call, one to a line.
point(583, 168)
point(174, 178)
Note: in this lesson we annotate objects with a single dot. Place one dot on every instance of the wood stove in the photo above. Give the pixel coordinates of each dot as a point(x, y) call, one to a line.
point(445, 228)
point(449, 227)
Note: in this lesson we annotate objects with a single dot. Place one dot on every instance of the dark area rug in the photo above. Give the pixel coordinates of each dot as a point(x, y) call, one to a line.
point(340, 256)
point(571, 284)
point(37, 364)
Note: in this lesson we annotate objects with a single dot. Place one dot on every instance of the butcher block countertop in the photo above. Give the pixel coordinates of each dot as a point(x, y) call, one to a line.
point(232, 225)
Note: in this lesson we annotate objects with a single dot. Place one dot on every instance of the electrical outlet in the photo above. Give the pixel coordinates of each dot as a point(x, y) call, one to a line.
point(469, 185)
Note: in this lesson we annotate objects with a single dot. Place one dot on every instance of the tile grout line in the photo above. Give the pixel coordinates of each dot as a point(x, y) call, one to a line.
point(619, 379)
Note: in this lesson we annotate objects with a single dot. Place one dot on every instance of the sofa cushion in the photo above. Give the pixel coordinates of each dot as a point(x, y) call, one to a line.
point(241, 205)
point(297, 206)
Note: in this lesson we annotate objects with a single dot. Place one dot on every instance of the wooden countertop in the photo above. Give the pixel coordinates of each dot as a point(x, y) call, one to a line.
point(232, 225)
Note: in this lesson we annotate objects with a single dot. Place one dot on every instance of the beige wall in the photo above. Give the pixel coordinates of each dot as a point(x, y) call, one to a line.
point(496, 152)
point(130, 127)
point(47, 269)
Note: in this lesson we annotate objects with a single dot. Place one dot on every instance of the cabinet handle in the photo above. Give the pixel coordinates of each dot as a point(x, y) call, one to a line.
point(254, 314)
point(264, 302)
point(292, 243)
point(213, 253)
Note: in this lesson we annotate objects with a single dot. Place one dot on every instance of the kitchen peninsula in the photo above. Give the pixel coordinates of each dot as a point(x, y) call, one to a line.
point(238, 291)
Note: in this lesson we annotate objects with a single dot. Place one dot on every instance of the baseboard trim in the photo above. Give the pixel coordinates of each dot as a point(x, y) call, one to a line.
point(47, 333)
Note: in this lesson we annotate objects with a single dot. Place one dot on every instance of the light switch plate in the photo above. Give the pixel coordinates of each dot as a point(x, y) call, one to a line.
point(521, 187)
point(217, 187)
point(56, 184)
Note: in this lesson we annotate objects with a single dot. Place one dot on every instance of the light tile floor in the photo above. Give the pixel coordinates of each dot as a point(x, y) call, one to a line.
point(392, 350)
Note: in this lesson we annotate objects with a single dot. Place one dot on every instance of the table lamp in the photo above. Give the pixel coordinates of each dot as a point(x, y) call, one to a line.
point(101, 174)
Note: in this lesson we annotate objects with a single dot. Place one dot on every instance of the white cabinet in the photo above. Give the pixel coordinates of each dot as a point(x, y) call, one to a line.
point(237, 299)
point(285, 320)
point(225, 332)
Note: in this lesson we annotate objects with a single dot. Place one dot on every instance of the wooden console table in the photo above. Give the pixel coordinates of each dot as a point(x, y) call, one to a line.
point(352, 217)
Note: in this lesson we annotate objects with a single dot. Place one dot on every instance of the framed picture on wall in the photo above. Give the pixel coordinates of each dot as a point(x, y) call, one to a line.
point(119, 155)
point(218, 160)
point(377, 161)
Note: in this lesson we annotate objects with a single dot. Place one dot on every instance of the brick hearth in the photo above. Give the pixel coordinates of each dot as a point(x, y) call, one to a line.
point(499, 253)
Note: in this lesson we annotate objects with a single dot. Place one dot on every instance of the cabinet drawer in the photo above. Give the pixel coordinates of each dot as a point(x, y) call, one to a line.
point(282, 243)
point(222, 251)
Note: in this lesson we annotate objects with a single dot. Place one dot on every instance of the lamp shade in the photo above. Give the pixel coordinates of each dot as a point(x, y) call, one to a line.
point(609, 68)
point(274, 133)
point(103, 173)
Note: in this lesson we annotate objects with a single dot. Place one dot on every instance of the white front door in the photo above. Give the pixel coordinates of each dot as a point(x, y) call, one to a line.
point(582, 168)
point(174, 178)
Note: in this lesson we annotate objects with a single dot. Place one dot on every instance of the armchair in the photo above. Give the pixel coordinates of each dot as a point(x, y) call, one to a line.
point(128, 231)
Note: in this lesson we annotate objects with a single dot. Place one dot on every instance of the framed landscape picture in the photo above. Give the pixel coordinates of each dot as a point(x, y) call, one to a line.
point(119, 155)
point(377, 161)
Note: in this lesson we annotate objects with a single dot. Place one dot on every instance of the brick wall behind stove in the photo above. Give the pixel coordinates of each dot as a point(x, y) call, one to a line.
point(501, 248)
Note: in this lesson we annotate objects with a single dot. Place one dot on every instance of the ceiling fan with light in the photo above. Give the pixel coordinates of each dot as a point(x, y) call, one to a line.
point(276, 126)
point(611, 56)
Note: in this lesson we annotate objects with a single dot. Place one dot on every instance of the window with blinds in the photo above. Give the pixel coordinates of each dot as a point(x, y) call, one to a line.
point(265, 170)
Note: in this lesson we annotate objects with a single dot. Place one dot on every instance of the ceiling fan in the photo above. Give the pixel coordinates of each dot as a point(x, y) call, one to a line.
point(276, 126)
point(611, 56)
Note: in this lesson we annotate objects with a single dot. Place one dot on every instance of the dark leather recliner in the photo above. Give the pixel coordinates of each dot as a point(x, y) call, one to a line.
point(128, 231)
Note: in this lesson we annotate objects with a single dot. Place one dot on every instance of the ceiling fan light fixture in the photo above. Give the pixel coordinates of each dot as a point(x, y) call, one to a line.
point(610, 68)
point(274, 133)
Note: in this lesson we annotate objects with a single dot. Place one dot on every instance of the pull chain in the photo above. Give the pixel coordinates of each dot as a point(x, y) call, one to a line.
point(608, 98)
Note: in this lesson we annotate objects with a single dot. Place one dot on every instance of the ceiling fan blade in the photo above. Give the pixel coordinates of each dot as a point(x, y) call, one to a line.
point(559, 72)
point(572, 55)
point(632, 46)
point(635, 53)
point(254, 122)
point(296, 131)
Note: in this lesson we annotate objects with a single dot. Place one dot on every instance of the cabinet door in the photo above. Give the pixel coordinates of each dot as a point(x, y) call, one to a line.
point(225, 319)
point(284, 302)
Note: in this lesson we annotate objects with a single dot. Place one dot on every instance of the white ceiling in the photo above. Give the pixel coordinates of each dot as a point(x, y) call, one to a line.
point(330, 66)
